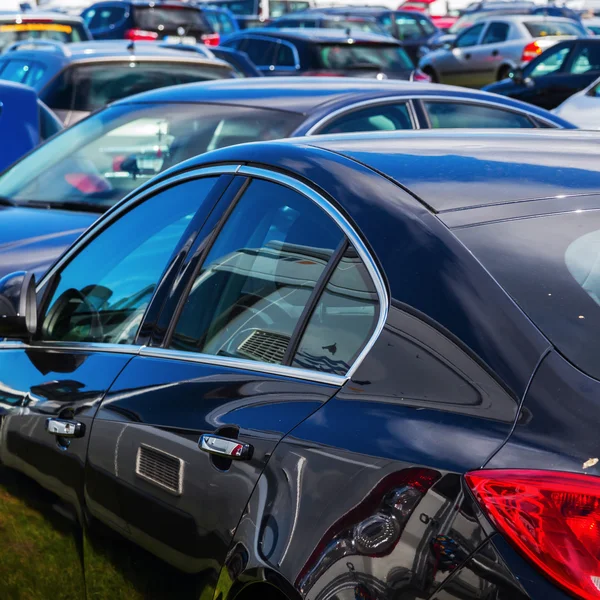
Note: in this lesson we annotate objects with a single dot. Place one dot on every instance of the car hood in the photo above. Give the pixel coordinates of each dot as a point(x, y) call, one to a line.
point(31, 239)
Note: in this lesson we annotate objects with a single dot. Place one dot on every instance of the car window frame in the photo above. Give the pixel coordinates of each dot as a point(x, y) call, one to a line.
point(489, 26)
point(350, 236)
point(274, 41)
point(463, 33)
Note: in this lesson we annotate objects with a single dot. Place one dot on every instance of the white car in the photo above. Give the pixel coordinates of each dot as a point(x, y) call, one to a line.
point(583, 108)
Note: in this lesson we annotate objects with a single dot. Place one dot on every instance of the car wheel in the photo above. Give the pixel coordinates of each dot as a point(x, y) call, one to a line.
point(503, 72)
point(429, 71)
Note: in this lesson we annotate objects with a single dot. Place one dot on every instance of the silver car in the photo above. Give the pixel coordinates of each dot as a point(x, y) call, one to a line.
point(490, 49)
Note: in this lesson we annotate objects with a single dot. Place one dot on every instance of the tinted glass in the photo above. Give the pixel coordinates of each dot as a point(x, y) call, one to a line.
point(168, 18)
point(367, 56)
point(102, 293)
point(240, 7)
point(58, 32)
point(389, 117)
point(342, 321)
point(428, 27)
point(552, 60)
point(549, 27)
point(408, 27)
point(260, 52)
point(285, 56)
point(98, 85)
point(281, 7)
point(469, 37)
point(103, 18)
point(354, 24)
point(22, 71)
point(550, 266)
point(97, 161)
point(586, 58)
point(258, 276)
point(444, 115)
point(495, 33)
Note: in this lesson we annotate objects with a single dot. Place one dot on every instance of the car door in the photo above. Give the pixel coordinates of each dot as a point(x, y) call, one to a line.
point(487, 57)
point(454, 65)
point(90, 309)
point(187, 428)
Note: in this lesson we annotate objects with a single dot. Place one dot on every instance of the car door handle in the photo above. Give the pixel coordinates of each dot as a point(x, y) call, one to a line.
point(64, 428)
point(215, 444)
point(494, 52)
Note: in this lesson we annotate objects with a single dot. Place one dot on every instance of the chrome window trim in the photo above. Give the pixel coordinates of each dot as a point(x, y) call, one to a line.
point(410, 98)
point(282, 370)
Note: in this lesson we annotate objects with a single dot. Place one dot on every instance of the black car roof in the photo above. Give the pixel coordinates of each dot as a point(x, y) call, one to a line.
point(312, 34)
point(449, 170)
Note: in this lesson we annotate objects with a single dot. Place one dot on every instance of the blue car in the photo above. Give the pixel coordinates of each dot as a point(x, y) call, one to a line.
point(97, 162)
point(25, 121)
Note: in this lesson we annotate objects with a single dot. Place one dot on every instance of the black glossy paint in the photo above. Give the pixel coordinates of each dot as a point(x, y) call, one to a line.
point(355, 488)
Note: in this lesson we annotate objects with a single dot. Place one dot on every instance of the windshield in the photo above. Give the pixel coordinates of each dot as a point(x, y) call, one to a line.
point(550, 265)
point(363, 56)
point(58, 32)
point(549, 27)
point(100, 160)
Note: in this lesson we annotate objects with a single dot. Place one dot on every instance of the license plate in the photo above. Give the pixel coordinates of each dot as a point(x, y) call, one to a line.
point(176, 39)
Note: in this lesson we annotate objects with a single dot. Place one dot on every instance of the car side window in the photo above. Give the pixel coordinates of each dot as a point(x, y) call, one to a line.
point(285, 56)
point(258, 276)
point(470, 37)
point(408, 27)
point(342, 321)
point(58, 94)
point(386, 117)
point(444, 115)
point(102, 293)
point(104, 17)
point(260, 52)
point(496, 33)
point(587, 58)
point(427, 26)
point(550, 62)
point(22, 71)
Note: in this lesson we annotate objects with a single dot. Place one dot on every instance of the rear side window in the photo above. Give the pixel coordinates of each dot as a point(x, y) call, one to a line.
point(97, 85)
point(260, 52)
point(285, 56)
point(22, 71)
point(448, 115)
point(428, 27)
point(160, 18)
point(408, 28)
point(550, 265)
point(496, 33)
point(547, 27)
point(586, 58)
point(389, 117)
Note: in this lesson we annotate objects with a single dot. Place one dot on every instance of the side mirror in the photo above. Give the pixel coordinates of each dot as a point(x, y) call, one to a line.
point(18, 306)
point(517, 75)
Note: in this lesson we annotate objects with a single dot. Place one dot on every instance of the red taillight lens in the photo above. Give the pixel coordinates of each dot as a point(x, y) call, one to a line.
point(552, 518)
point(140, 35)
point(531, 51)
point(211, 39)
point(418, 75)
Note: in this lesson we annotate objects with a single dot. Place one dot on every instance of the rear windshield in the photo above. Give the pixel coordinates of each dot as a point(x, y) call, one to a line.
point(169, 18)
point(550, 265)
point(363, 56)
point(56, 31)
point(544, 28)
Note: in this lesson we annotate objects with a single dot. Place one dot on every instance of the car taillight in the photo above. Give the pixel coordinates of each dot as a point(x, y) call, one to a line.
point(211, 39)
point(140, 35)
point(418, 75)
point(552, 518)
point(531, 51)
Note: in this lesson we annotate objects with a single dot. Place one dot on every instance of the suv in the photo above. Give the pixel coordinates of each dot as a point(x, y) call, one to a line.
point(83, 77)
point(16, 27)
point(323, 52)
point(146, 20)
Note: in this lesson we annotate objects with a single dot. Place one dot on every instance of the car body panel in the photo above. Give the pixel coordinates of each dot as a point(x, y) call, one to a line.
point(582, 108)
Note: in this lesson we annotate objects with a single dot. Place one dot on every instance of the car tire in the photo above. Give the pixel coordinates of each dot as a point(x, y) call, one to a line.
point(429, 71)
point(503, 72)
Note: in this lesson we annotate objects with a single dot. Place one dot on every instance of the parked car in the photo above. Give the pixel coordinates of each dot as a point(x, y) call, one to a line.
point(314, 20)
point(149, 20)
point(414, 30)
point(490, 50)
point(97, 162)
point(582, 108)
point(592, 25)
point(254, 13)
point(243, 383)
point(324, 52)
point(241, 63)
point(84, 77)
point(558, 73)
point(16, 27)
point(25, 121)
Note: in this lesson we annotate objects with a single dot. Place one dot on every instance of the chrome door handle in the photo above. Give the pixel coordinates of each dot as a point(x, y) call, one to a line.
point(226, 447)
point(64, 428)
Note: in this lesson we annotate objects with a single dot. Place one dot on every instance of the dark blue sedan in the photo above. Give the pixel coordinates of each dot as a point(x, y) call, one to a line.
point(356, 367)
point(97, 162)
